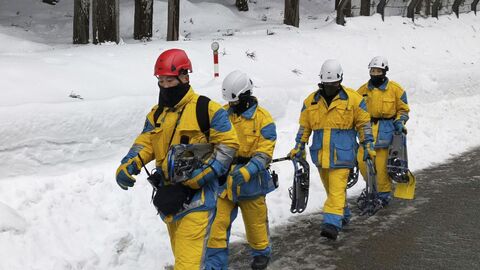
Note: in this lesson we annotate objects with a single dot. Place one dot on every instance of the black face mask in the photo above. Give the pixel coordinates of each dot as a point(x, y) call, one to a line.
point(377, 80)
point(169, 97)
point(245, 102)
point(329, 90)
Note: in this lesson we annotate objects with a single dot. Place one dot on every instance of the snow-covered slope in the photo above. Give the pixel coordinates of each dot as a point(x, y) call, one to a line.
point(60, 207)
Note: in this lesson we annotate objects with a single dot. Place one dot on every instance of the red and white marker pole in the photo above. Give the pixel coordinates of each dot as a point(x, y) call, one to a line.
point(215, 47)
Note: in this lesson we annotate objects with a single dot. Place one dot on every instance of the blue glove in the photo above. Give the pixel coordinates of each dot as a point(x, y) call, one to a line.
point(400, 126)
point(205, 174)
point(298, 151)
point(125, 171)
point(245, 173)
point(369, 151)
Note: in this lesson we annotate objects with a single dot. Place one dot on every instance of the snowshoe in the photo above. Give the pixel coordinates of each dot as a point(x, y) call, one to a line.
point(397, 164)
point(301, 183)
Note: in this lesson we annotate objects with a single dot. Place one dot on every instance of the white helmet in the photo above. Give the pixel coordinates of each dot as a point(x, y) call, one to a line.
point(331, 71)
point(379, 62)
point(235, 84)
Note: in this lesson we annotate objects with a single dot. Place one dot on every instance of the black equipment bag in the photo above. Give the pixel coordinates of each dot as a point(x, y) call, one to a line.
point(171, 199)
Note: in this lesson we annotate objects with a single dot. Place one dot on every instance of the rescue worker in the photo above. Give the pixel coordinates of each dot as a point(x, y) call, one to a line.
point(334, 114)
point(172, 120)
point(249, 181)
point(388, 108)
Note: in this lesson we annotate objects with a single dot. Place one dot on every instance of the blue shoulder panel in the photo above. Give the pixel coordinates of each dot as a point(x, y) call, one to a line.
point(363, 105)
point(303, 107)
point(148, 126)
point(220, 121)
point(269, 132)
point(404, 98)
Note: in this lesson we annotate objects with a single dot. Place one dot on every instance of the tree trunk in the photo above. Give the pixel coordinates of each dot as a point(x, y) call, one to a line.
point(105, 21)
point(81, 17)
point(428, 7)
point(365, 8)
point(173, 20)
point(142, 28)
point(291, 14)
point(418, 7)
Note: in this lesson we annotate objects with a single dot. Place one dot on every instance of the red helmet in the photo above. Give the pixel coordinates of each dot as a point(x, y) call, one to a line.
point(171, 62)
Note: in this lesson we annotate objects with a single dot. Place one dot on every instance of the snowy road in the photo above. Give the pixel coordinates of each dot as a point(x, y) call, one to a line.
point(438, 230)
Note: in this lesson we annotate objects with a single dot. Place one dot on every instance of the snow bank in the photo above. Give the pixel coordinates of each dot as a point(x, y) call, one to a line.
point(10, 220)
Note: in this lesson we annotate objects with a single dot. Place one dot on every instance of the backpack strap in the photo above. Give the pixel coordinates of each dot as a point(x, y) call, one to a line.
point(203, 119)
point(157, 113)
point(202, 115)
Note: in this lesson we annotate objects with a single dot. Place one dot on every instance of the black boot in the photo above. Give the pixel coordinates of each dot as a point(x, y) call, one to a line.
point(260, 262)
point(329, 231)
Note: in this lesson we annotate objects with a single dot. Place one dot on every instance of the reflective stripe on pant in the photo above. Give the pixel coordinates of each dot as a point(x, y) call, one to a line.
point(188, 237)
point(384, 183)
point(335, 184)
point(254, 213)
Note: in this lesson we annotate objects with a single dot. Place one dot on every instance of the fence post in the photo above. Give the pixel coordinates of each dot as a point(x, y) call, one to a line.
point(456, 6)
point(215, 46)
point(343, 7)
point(381, 8)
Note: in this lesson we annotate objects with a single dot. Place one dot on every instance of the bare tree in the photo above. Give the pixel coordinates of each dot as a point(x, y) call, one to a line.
point(105, 21)
point(365, 8)
point(81, 17)
point(291, 14)
point(173, 20)
point(142, 27)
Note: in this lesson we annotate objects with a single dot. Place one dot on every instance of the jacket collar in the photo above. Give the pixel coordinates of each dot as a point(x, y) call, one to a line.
point(187, 98)
point(342, 94)
point(248, 114)
point(382, 87)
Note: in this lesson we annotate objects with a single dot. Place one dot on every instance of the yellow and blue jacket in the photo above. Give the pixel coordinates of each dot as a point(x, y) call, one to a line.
point(156, 138)
point(386, 104)
point(257, 135)
point(334, 128)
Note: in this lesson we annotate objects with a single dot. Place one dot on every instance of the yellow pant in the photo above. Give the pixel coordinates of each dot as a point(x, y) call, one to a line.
point(335, 184)
point(188, 237)
point(254, 213)
point(384, 183)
